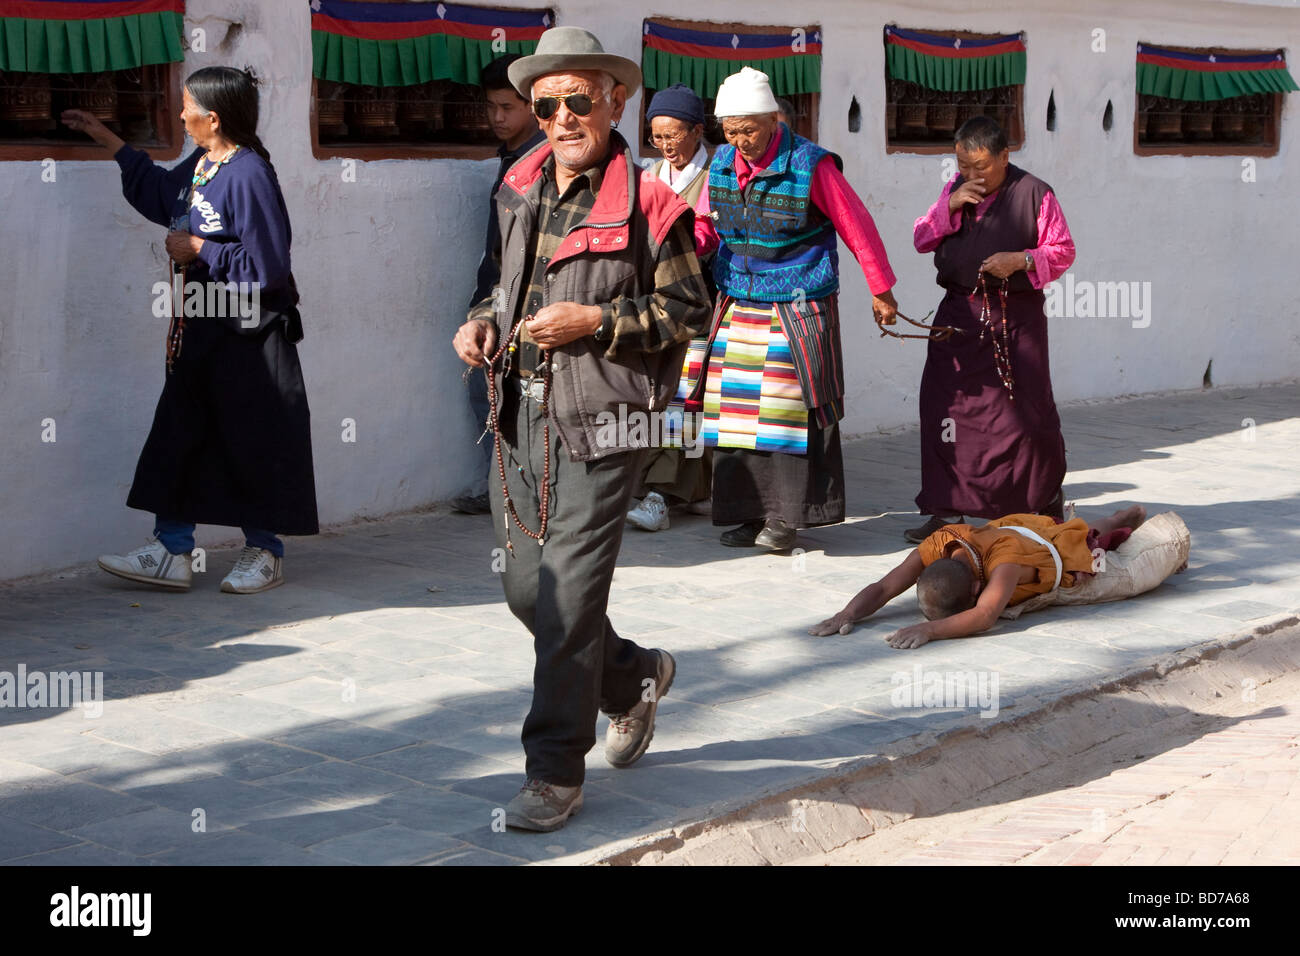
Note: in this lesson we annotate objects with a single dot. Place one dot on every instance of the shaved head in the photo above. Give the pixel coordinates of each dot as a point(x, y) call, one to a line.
point(945, 588)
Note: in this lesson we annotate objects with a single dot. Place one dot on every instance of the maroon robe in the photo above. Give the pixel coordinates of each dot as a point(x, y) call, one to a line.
point(983, 454)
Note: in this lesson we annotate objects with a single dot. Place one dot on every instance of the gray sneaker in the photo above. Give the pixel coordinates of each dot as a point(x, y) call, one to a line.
point(542, 806)
point(152, 564)
point(629, 734)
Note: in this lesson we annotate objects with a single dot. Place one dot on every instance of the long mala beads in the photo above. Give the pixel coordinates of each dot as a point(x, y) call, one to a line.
point(508, 347)
point(176, 332)
point(1002, 342)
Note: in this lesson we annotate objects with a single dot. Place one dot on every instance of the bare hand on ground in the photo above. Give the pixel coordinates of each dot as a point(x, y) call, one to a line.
point(838, 624)
point(909, 637)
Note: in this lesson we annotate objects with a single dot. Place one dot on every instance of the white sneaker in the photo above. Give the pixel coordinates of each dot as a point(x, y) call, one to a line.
point(256, 570)
point(651, 514)
point(152, 564)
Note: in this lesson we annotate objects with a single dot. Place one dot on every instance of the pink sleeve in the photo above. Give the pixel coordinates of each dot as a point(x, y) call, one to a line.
point(930, 229)
point(706, 237)
point(833, 195)
point(1055, 251)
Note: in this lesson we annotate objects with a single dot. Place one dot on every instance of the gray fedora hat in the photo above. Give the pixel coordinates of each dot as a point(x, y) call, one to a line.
point(565, 49)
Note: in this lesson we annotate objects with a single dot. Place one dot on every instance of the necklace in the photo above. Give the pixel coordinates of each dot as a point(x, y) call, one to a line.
point(203, 176)
point(1002, 345)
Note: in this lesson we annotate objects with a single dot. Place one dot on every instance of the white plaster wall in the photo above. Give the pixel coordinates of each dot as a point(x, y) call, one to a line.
point(386, 263)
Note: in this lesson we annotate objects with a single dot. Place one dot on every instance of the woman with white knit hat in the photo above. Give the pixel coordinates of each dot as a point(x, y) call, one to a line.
point(772, 391)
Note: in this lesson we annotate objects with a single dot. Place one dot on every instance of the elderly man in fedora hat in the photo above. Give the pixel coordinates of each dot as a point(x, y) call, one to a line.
point(600, 293)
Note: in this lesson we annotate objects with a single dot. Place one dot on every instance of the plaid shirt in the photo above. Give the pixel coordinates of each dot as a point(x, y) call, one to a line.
point(642, 324)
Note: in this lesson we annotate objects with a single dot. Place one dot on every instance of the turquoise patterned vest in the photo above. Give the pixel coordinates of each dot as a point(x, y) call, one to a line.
point(775, 243)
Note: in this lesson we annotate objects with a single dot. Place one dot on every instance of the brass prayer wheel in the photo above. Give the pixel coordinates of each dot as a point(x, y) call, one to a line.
point(26, 100)
point(94, 93)
point(373, 111)
point(329, 109)
point(420, 110)
point(469, 114)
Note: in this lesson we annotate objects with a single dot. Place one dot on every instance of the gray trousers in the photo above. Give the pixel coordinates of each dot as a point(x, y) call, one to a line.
point(560, 591)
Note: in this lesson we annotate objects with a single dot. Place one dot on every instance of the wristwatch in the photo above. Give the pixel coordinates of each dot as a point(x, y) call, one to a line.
point(1029, 261)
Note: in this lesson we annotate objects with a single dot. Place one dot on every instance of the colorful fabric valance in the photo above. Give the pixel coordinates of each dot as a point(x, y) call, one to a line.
point(1202, 77)
point(400, 44)
point(89, 36)
point(953, 64)
point(702, 59)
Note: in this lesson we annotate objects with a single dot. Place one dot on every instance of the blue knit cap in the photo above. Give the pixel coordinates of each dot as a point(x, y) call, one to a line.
point(678, 101)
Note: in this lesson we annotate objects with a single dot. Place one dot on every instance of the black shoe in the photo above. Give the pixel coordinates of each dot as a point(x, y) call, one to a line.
point(776, 536)
point(742, 537)
point(472, 505)
point(917, 535)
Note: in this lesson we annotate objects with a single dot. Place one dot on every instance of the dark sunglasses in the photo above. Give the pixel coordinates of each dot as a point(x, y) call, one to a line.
point(579, 104)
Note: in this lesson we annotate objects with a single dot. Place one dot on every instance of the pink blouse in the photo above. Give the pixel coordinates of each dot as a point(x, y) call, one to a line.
point(832, 194)
point(1052, 256)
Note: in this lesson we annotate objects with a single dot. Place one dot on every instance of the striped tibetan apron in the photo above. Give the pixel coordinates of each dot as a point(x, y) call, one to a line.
point(752, 398)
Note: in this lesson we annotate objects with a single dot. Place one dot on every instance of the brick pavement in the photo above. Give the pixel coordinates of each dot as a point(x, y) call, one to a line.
point(1229, 797)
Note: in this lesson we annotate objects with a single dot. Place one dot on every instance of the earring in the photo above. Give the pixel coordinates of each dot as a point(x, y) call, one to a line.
point(614, 125)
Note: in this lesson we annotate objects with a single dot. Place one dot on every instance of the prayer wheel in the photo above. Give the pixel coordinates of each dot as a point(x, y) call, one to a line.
point(1198, 122)
point(911, 119)
point(968, 111)
point(374, 112)
point(1166, 122)
point(470, 116)
point(942, 118)
point(329, 110)
point(94, 93)
point(1229, 121)
point(26, 101)
point(136, 106)
point(420, 110)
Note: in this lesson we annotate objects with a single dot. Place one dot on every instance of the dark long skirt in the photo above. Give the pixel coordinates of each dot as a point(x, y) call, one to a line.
point(982, 454)
point(231, 437)
point(804, 491)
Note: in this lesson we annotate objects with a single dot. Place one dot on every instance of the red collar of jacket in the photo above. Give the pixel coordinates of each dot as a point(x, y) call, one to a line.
point(606, 227)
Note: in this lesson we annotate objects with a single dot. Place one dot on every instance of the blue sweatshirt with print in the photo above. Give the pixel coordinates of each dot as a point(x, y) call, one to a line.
point(239, 213)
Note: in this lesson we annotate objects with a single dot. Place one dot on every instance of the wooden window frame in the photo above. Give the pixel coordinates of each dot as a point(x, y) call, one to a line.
point(1186, 148)
point(166, 117)
point(814, 99)
point(406, 149)
point(1015, 129)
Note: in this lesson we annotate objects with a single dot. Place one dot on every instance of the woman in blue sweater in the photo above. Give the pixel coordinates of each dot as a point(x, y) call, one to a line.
point(231, 437)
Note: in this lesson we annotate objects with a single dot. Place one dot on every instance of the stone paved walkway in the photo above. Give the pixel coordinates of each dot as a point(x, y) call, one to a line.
point(369, 710)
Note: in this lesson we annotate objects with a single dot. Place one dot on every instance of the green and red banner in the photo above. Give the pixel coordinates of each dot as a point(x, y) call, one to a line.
point(1204, 77)
point(954, 64)
point(401, 44)
point(702, 59)
point(89, 36)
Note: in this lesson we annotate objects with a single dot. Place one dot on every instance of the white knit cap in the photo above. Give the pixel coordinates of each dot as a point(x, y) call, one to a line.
point(747, 93)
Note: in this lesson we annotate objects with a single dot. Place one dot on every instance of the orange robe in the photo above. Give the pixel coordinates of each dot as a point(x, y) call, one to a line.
point(1010, 547)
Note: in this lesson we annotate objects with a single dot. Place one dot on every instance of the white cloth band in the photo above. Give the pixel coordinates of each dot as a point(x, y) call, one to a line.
point(1035, 536)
